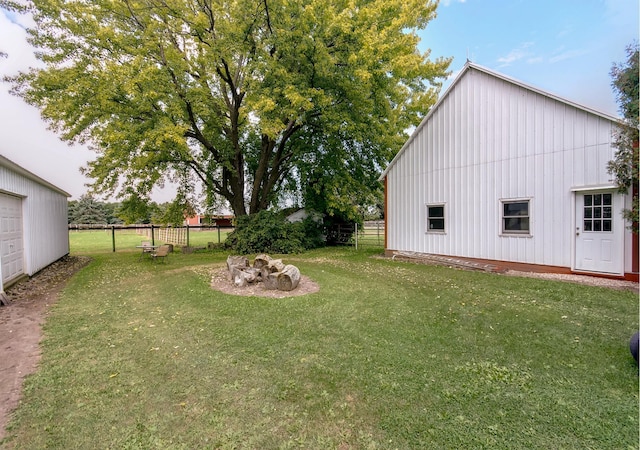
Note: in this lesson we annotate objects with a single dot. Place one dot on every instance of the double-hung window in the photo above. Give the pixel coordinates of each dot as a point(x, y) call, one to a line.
point(515, 217)
point(435, 218)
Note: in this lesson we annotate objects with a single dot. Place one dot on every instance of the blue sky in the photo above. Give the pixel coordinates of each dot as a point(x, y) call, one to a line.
point(565, 47)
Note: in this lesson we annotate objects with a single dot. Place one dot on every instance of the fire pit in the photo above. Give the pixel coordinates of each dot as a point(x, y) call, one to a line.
point(272, 273)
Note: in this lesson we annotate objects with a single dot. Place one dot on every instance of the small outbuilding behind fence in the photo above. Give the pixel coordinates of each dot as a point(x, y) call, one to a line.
point(33, 223)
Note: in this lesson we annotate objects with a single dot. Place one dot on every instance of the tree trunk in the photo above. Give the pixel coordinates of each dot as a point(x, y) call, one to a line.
point(270, 281)
point(236, 262)
point(275, 265)
point(238, 277)
point(261, 261)
point(242, 277)
point(288, 278)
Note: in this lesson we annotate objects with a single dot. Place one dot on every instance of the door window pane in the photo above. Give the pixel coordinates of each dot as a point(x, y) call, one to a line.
point(597, 212)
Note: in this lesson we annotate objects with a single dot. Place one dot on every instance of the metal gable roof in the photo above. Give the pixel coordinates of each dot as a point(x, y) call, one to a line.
point(5, 162)
point(472, 66)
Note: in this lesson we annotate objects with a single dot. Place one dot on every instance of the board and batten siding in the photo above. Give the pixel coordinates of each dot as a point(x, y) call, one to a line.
point(489, 140)
point(44, 215)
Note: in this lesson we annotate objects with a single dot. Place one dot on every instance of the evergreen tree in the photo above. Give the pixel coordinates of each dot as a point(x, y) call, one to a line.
point(88, 211)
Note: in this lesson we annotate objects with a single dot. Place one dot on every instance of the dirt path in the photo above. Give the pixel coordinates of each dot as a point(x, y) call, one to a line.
point(21, 328)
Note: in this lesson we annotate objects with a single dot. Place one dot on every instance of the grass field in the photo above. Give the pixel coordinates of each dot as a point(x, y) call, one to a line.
point(102, 241)
point(125, 239)
point(142, 355)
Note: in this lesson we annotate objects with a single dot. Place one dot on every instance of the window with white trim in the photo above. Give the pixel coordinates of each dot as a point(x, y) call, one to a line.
point(435, 218)
point(598, 212)
point(515, 217)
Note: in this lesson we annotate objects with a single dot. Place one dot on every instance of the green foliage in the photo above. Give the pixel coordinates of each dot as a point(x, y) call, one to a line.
point(172, 213)
point(135, 209)
point(11, 5)
point(255, 100)
point(111, 210)
point(271, 232)
point(313, 232)
point(87, 211)
point(624, 166)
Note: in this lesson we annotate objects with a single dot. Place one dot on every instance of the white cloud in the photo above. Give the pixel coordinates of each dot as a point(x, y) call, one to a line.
point(516, 54)
point(448, 2)
point(13, 42)
point(564, 32)
point(569, 54)
point(24, 137)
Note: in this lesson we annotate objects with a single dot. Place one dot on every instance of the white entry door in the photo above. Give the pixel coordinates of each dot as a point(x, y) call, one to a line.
point(11, 248)
point(599, 232)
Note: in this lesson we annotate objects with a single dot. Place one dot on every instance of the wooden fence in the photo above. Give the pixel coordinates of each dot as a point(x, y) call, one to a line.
point(178, 236)
point(371, 235)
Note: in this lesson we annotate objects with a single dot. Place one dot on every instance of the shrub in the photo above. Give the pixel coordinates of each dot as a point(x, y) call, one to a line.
point(270, 232)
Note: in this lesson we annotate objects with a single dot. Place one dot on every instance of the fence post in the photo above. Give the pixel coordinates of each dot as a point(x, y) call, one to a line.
point(113, 237)
point(356, 235)
point(153, 241)
point(187, 235)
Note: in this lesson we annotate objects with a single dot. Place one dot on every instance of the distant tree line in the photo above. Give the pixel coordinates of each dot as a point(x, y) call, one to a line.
point(89, 211)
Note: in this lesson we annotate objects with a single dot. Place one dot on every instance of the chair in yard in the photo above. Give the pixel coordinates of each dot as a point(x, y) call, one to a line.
point(162, 252)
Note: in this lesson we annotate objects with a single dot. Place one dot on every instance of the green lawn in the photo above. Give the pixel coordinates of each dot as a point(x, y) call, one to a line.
point(101, 241)
point(386, 355)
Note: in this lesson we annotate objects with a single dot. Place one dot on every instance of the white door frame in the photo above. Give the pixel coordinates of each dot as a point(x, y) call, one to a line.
point(618, 229)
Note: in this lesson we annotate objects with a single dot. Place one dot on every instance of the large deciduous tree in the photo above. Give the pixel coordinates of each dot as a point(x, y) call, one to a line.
point(253, 98)
point(624, 166)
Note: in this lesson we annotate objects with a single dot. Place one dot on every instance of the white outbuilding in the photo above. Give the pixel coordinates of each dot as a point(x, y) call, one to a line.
point(501, 171)
point(33, 223)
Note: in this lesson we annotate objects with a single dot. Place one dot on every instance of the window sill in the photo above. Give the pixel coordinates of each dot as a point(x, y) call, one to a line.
point(515, 235)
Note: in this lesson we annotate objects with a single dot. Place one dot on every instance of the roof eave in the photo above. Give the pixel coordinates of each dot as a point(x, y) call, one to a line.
point(5, 162)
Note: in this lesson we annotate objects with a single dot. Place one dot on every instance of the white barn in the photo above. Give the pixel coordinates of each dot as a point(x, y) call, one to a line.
point(502, 171)
point(33, 223)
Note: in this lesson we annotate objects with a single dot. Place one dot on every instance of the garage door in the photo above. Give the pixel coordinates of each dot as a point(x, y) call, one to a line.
point(11, 246)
